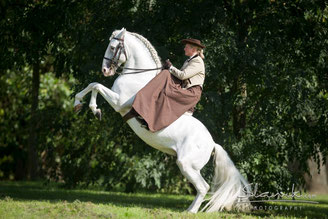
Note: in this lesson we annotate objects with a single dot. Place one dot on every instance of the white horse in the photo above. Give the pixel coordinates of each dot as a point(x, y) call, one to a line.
point(186, 138)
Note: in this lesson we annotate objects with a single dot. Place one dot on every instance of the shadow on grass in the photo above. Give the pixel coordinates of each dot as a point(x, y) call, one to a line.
point(36, 191)
point(29, 191)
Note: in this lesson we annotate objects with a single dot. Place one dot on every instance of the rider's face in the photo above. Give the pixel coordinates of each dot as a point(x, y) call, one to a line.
point(189, 50)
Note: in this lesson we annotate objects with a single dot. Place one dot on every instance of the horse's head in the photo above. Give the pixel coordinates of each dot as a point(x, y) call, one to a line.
point(115, 54)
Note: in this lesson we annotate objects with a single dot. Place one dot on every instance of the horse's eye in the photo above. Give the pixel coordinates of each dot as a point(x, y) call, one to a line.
point(112, 47)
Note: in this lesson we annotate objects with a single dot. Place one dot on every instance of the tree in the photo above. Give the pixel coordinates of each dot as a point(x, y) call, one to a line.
point(31, 32)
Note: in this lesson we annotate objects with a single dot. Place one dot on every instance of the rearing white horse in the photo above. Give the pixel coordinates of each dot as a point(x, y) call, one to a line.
point(186, 138)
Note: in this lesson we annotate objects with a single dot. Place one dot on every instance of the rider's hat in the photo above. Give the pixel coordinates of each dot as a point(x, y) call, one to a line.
point(193, 42)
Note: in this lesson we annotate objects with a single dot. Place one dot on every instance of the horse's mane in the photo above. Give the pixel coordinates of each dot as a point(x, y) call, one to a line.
point(148, 45)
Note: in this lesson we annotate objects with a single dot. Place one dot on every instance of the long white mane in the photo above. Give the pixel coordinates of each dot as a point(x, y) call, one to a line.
point(147, 44)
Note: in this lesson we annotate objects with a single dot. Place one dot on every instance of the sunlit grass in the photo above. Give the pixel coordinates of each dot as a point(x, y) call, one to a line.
point(35, 200)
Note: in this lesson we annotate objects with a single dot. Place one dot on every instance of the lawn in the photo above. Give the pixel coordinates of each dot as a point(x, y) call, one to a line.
point(35, 200)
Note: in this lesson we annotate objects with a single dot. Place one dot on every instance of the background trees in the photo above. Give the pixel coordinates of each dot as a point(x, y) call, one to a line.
point(265, 97)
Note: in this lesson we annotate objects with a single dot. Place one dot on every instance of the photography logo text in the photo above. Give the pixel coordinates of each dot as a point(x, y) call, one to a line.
point(256, 201)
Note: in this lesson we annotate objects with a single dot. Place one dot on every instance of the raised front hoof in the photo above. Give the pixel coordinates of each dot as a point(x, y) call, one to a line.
point(78, 108)
point(98, 114)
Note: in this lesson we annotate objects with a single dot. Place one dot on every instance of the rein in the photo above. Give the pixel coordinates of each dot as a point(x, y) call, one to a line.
point(136, 70)
point(119, 49)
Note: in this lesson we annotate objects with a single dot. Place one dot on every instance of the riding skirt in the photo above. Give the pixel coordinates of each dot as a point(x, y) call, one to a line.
point(163, 100)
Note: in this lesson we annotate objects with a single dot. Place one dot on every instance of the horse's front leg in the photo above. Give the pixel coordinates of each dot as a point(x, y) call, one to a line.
point(111, 97)
point(79, 96)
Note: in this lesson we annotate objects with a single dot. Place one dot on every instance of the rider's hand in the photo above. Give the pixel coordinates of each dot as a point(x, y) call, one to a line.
point(167, 64)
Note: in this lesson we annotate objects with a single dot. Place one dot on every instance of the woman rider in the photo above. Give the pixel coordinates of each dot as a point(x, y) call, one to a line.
point(172, 92)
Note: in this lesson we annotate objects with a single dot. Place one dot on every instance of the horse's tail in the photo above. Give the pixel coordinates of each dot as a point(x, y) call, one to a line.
point(229, 188)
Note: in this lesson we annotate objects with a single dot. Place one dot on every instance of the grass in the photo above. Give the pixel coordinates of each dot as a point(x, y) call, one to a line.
point(35, 200)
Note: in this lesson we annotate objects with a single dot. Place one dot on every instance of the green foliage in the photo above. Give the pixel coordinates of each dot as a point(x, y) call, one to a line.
point(14, 114)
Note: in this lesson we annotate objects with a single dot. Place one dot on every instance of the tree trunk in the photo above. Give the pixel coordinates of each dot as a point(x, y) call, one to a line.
point(238, 110)
point(32, 160)
point(239, 86)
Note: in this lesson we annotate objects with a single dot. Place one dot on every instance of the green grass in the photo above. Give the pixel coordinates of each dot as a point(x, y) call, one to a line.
point(34, 200)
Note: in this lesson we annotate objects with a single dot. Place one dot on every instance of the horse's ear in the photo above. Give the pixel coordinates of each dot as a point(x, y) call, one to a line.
point(122, 33)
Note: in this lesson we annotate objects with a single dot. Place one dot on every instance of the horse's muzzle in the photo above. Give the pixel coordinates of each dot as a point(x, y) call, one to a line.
point(108, 71)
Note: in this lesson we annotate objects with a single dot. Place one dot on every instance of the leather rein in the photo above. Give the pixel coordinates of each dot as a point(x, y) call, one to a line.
point(118, 51)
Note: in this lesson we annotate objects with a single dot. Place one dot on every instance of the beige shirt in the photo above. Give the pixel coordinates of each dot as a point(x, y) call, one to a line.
point(192, 72)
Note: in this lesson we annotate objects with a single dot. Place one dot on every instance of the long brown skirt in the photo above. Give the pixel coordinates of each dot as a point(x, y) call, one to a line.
point(162, 100)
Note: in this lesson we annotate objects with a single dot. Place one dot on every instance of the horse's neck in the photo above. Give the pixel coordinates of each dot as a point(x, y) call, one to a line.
point(139, 57)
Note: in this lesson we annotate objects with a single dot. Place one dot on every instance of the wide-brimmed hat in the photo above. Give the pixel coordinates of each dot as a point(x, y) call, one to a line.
point(193, 42)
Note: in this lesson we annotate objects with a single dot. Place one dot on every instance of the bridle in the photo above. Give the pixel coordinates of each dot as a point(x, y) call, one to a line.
point(114, 61)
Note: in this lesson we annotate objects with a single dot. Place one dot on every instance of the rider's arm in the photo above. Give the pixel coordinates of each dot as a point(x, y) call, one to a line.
point(194, 67)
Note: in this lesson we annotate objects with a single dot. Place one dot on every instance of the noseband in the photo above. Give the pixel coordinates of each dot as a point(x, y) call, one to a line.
point(114, 62)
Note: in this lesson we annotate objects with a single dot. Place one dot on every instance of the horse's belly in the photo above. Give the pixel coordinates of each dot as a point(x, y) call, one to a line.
point(156, 140)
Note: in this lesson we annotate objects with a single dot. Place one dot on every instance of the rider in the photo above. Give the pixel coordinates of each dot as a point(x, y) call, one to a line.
point(193, 70)
point(172, 92)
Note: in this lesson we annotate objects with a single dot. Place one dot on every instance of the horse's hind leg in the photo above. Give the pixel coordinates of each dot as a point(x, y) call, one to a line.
point(193, 175)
